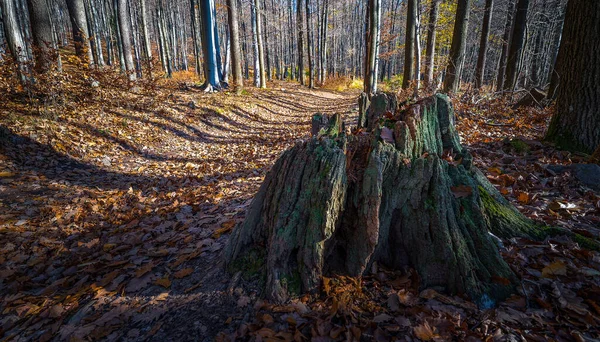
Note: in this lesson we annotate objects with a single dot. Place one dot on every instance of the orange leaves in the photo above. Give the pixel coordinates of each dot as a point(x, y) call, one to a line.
point(225, 228)
point(183, 273)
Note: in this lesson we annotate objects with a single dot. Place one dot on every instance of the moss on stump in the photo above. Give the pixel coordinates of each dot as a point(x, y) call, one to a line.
point(403, 194)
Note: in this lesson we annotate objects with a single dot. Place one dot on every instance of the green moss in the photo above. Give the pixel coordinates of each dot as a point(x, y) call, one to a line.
point(586, 242)
point(250, 263)
point(519, 145)
point(504, 220)
point(567, 142)
point(292, 283)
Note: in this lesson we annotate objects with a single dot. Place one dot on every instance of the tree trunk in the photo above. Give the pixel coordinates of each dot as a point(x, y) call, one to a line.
point(299, 27)
point(146, 36)
point(41, 29)
point(417, 41)
point(485, 31)
point(14, 38)
point(261, 49)
point(256, 59)
point(431, 33)
point(554, 77)
point(337, 204)
point(234, 36)
point(505, 44)
point(457, 49)
point(516, 46)
point(409, 44)
point(210, 42)
point(372, 45)
point(576, 122)
point(125, 28)
point(309, 44)
point(81, 35)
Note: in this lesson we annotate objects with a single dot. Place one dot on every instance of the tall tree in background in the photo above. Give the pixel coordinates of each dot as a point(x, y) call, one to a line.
point(261, 49)
point(14, 37)
point(372, 46)
point(125, 29)
point(41, 29)
point(515, 49)
point(310, 46)
point(299, 27)
point(457, 49)
point(483, 43)
point(431, 33)
point(255, 56)
point(409, 44)
point(210, 42)
point(195, 17)
point(81, 35)
point(234, 36)
point(146, 35)
point(576, 123)
point(505, 41)
point(553, 76)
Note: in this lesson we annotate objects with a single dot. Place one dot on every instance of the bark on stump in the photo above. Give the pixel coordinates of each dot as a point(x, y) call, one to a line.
point(335, 204)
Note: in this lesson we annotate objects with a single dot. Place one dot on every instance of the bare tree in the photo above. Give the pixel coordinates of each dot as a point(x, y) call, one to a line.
point(81, 34)
point(483, 43)
point(234, 36)
point(14, 37)
point(457, 49)
point(41, 29)
point(516, 45)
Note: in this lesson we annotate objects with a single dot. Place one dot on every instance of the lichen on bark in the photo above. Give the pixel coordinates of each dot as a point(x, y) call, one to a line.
point(336, 204)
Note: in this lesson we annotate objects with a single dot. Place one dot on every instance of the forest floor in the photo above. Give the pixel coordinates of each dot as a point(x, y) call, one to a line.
point(115, 206)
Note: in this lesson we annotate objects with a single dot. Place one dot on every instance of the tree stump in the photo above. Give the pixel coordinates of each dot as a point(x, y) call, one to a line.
point(403, 194)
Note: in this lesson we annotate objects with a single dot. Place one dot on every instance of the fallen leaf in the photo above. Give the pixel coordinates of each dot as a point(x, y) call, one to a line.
point(554, 269)
point(164, 282)
point(425, 332)
point(183, 273)
point(461, 191)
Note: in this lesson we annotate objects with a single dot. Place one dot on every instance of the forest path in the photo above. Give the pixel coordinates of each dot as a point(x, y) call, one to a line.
point(112, 210)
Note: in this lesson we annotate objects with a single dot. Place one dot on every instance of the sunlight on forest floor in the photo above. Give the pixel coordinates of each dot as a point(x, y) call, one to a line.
point(114, 211)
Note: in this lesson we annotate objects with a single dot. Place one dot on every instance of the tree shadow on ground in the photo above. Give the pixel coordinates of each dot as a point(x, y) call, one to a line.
point(29, 155)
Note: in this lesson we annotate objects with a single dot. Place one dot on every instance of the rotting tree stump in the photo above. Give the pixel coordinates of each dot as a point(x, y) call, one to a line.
point(403, 194)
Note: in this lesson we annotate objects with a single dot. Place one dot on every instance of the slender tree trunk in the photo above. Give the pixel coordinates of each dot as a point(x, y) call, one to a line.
point(80, 30)
point(485, 31)
point(41, 29)
point(409, 44)
point(234, 36)
point(505, 45)
point(195, 16)
point(372, 40)
point(299, 27)
point(516, 45)
point(576, 122)
point(261, 50)
point(309, 43)
point(457, 49)
point(257, 72)
point(14, 38)
point(146, 36)
point(431, 35)
point(417, 69)
point(210, 44)
point(554, 76)
point(125, 28)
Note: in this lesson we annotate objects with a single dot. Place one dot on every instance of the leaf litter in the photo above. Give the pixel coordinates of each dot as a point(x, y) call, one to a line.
point(114, 214)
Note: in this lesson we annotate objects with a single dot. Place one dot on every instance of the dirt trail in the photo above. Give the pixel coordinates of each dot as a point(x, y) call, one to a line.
point(113, 214)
